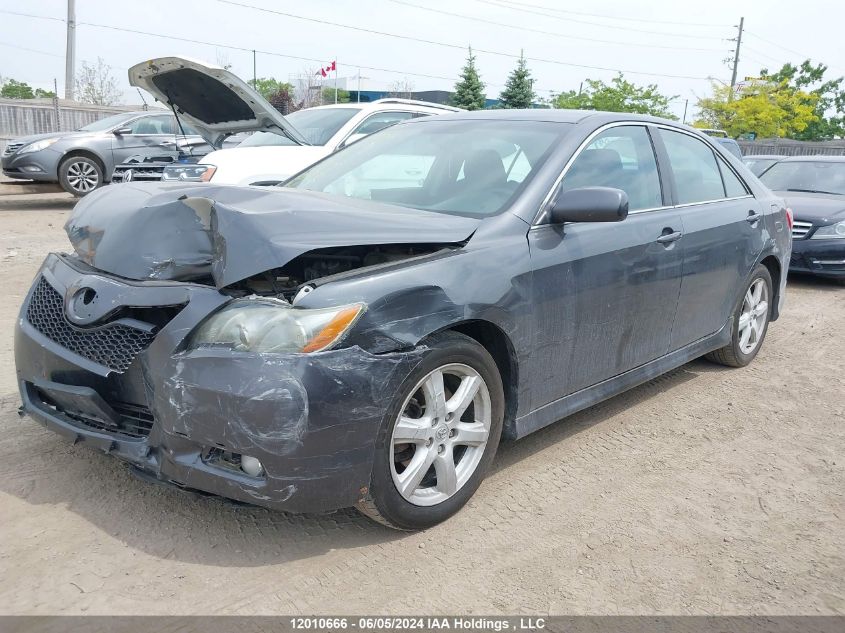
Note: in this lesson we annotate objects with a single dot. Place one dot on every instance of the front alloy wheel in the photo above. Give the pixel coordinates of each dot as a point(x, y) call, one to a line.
point(439, 437)
point(80, 175)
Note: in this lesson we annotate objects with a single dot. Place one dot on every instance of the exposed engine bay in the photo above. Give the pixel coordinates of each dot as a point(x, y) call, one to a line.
point(314, 267)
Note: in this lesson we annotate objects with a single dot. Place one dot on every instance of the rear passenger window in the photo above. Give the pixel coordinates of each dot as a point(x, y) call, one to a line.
point(693, 163)
point(733, 185)
point(623, 158)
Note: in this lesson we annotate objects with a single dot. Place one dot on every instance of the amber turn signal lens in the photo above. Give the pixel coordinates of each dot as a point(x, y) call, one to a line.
point(337, 326)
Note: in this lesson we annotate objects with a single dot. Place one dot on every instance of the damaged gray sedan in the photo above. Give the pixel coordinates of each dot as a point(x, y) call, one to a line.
point(366, 335)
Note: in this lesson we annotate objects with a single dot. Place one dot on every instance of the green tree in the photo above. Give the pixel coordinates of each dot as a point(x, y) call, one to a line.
point(266, 86)
point(469, 91)
point(620, 95)
point(328, 95)
point(13, 89)
point(44, 94)
point(830, 104)
point(764, 108)
point(519, 88)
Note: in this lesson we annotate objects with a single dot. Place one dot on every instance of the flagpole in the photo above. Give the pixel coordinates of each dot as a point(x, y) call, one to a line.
point(359, 85)
point(334, 63)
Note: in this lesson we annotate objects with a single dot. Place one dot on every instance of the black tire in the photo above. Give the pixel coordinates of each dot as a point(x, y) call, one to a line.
point(80, 175)
point(731, 355)
point(384, 503)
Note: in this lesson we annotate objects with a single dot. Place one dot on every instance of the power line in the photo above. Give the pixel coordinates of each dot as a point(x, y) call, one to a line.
point(561, 35)
point(30, 15)
point(613, 17)
point(31, 50)
point(455, 46)
point(788, 50)
point(604, 26)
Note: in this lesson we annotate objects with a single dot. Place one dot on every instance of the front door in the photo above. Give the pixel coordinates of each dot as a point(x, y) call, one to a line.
point(149, 135)
point(605, 293)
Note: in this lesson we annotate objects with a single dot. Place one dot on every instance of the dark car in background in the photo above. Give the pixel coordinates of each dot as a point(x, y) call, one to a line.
point(814, 188)
point(358, 339)
point(83, 160)
point(759, 163)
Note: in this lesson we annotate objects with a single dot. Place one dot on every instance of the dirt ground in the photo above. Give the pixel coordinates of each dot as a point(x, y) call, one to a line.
point(706, 491)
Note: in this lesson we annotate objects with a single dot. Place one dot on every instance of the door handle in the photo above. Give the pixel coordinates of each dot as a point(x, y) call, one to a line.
point(668, 238)
point(753, 216)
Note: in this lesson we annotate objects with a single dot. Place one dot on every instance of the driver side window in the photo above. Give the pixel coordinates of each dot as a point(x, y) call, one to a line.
point(622, 158)
point(152, 125)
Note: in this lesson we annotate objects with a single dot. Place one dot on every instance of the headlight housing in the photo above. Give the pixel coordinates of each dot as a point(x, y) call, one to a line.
point(270, 325)
point(37, 146)
point(830, 232)
point(190, 173)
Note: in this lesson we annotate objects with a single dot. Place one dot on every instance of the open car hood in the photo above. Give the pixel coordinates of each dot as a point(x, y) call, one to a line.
point(213, 100)
point(188, 232)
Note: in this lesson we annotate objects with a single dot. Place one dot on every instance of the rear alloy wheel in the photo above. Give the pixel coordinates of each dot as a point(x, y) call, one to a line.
point(751, 321)
point(80, 175)
point(440, 437)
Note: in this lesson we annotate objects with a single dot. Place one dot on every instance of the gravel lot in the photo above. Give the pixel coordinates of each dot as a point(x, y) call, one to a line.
point(706, 491)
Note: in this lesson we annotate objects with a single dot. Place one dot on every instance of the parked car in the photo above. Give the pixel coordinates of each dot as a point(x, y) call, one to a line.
point(814, 188)
point(721, 137)
point(84, 160)
point(150, 167)
point(356, 339)
point(759, 163)
point(267, 158)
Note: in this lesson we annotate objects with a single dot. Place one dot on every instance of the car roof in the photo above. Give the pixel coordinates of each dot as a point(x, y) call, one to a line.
point(764, 156)
point(388, 104)
point(813, 159)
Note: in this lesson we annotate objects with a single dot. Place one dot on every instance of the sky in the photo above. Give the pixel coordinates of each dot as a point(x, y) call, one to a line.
point(676, 45)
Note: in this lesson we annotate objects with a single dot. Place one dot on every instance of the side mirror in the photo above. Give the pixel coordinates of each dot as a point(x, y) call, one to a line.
point(122, 130)
point(590, 204)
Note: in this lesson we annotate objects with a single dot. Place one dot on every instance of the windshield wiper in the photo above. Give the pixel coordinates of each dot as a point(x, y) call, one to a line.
point(833, 193)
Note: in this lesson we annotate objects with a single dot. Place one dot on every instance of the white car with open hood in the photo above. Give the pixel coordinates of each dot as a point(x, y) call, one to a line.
point(217, 104)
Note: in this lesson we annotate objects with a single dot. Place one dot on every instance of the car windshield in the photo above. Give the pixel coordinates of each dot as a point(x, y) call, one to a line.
point(317, 126)
point(107, 123)
point(464, 167)
point(808, 176)
point(759, 165)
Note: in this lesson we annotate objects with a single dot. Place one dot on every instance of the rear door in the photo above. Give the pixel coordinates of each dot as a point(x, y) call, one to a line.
point(605, 293)
point(723, 234)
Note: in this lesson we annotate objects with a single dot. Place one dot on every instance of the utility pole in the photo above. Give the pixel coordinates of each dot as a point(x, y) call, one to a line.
point(254, 75)
point(736, 53)
point(70, 51)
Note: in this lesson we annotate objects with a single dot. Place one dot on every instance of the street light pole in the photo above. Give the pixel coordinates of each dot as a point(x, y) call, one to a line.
point(70, 51)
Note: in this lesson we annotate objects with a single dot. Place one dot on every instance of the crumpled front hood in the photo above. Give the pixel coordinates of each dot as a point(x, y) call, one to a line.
point(818, 208)
point(175, 231)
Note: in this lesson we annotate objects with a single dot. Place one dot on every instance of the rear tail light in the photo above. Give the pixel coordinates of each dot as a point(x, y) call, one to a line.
point(789, 217)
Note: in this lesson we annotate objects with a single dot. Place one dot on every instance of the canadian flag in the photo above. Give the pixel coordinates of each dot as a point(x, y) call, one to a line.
point(325, 71)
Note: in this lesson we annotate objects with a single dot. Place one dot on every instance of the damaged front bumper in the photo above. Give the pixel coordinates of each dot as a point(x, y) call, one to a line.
point(187, 418)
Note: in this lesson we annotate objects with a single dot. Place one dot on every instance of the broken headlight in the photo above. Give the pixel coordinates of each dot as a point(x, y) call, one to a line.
point(264, 325)
point(189, 173)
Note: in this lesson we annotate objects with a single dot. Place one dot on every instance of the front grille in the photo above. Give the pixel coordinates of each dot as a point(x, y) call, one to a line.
point(11, 148)
point(800, 229)
point(114, 345)
point(138, 174)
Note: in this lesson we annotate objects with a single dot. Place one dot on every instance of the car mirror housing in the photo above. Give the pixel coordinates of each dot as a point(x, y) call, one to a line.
point(122, 130)
point(589, 204)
